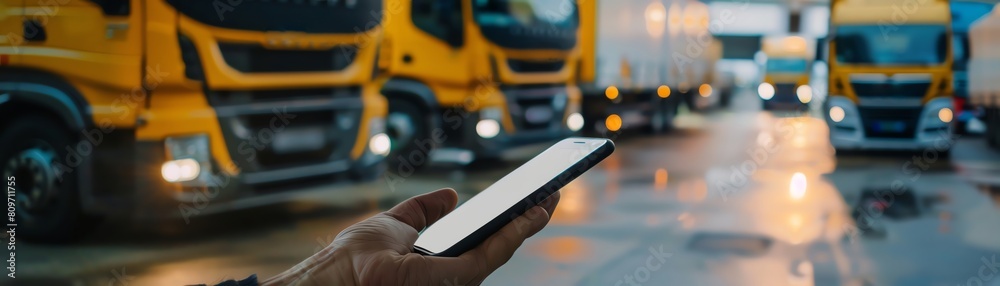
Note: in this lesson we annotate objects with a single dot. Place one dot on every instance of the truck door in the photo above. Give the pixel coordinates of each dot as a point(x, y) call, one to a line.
point(11, 29)
point(93, 44)
point(436, 51)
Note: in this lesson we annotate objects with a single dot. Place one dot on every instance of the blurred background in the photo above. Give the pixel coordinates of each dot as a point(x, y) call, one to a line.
point(759, 142)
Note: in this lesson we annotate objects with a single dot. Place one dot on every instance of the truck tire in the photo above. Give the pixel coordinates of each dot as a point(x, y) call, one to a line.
point(662, 119)
point(33, 150)
point(406, 125)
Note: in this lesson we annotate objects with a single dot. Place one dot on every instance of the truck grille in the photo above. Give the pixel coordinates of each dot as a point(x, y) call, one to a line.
point(279, 129)
point(915, 90)
point(229, 98)
point(785, 93)
point(884, 122)
point(524, 66)
point(253, 58)
point(536, 107)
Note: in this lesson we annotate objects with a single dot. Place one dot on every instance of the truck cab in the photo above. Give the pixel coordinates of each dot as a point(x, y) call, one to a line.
point(176, 108)
point(469, 80)
point(890, 90)
point(787, 70)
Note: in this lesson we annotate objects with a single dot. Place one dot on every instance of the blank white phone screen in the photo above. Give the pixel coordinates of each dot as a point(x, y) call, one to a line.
point(510, 190)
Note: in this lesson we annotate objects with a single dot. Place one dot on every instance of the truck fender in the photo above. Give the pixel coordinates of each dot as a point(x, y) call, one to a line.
point(419, 91)
point(45, 91)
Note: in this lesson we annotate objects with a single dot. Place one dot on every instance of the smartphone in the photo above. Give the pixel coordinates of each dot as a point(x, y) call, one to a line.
point(527, 186)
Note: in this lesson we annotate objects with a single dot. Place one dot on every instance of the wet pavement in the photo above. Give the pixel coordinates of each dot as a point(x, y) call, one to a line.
point(747, 198)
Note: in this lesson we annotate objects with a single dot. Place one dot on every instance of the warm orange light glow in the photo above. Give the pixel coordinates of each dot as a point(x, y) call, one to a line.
point(565, 249)
point(705, 90)
point(660, 180)
point(614, 122)
point(663, 91)
point(611, 92)
point(692, 191)
point(572, 208)
point(656, 18)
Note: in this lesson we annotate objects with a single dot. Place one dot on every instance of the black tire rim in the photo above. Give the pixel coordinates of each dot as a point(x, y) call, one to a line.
point(36, 176)
point(401, 130)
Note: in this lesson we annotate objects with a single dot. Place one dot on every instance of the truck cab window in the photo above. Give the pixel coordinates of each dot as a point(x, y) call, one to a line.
point(441, 19)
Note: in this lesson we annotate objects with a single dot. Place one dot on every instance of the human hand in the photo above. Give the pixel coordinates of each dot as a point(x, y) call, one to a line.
point(379, 250)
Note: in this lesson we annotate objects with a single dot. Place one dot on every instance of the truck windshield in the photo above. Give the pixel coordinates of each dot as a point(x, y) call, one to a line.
point(786, 65)
point(341, 17)
point(528, 24)
point(899, 45)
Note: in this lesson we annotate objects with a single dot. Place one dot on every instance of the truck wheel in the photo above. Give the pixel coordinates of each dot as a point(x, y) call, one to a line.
point(662, 119)
point(725, 97)
point(656, 118)
point(46, 191)
point(407, 125)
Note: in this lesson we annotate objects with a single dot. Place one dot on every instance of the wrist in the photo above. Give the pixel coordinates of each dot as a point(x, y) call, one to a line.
point(330, 266)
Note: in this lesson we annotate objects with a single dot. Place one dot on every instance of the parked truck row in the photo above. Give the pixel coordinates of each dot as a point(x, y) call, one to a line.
point(145, 109)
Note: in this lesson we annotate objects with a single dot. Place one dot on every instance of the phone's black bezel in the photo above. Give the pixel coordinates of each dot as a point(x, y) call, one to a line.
point(533, 199)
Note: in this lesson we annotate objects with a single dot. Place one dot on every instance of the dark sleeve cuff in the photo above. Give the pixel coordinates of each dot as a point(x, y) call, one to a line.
point(249, 281)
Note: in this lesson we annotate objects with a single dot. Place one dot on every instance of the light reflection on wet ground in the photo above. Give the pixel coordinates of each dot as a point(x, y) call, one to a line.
point(749, 199)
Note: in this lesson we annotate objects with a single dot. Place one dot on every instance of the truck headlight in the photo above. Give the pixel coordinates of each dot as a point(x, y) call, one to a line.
point(488, 128)
point(489, 122)
point(187, 159)
point(837, 113)
point(182, 170)
point(379, 144)
point(946, 115)
point(574, 122)
point(805, 93)
point(766, 91)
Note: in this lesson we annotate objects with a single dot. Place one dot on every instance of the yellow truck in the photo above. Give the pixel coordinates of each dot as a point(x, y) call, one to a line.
point(786, 70)
point(641, 60)
point(890, 75)
point(469, 80)
point(984, 72)
point(175, 108)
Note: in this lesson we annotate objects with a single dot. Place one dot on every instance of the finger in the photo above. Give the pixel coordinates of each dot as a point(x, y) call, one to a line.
point(423, 210)
point(550, 203)
point(499, 247)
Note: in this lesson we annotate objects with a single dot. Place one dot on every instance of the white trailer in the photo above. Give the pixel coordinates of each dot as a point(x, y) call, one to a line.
point(642, 59)
point(984, 72)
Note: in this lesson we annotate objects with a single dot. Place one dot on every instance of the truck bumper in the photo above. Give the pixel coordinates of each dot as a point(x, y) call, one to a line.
point(531, 116)
point(152, 197)
point(635, 107)
point(889, 128)
point(244, 156)
point(785, 99)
